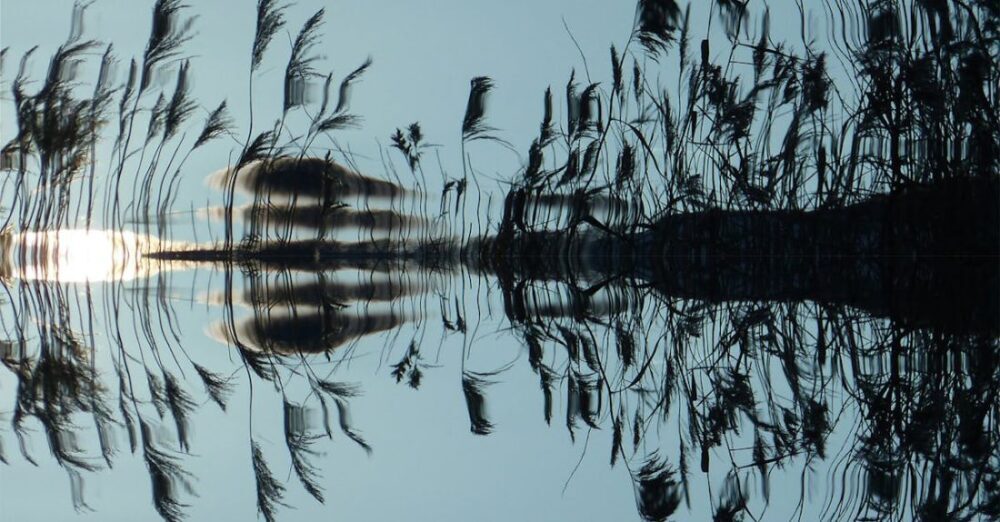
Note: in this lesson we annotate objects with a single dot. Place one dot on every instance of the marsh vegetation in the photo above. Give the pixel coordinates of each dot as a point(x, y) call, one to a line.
point(717, 271)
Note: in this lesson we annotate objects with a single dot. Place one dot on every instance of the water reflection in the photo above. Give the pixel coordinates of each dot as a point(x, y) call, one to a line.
point(726, 330)
point(293, 317)
point(757, 392)
point(79, 256)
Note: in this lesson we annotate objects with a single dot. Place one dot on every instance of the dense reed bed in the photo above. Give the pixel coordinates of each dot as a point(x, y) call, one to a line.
point(770, 129)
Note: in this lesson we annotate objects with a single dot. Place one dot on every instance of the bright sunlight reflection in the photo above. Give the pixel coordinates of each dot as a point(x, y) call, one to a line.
point(77, 256)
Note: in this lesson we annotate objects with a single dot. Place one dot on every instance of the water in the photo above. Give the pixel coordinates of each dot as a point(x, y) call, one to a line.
point(431, 330)
point(403, 391)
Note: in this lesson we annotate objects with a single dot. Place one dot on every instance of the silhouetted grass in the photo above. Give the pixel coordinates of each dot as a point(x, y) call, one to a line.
point(758, 217)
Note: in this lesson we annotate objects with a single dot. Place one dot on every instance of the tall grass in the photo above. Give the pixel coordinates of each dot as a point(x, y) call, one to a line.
point(764, 129)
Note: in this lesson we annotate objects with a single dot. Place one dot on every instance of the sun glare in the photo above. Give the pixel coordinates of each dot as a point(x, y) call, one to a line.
point(77, 256)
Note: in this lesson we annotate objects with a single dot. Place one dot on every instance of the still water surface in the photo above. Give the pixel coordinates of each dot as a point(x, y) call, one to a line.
point(365, 364)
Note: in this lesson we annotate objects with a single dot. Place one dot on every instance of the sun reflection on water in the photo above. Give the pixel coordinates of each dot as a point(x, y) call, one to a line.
point(81, 255)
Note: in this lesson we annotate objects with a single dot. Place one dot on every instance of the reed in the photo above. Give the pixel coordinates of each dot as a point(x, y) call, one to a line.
point(661, 252)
